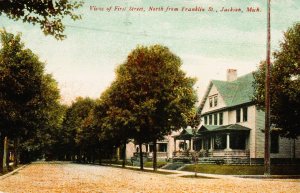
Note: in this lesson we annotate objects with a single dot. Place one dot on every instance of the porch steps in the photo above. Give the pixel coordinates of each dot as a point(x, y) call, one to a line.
point(238, 161)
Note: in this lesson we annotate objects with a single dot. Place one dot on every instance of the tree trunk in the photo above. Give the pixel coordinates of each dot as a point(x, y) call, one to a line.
point(141, 157)
point(1, 152)
point(154, 156)
point(124, 155)
point(294, 149)
point(100, 156)
point(16, 152)
point(7, 154)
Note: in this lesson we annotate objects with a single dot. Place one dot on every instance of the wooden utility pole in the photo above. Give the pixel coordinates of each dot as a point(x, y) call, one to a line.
point(267, 94)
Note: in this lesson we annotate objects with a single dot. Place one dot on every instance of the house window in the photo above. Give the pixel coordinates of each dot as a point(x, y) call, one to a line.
point(238, 115)
point(215, 101)
point(245, 114)
point(205, 120)
point(162, 147)
point(238, 141)
point(274, 143)
point(210, 102)
point(210, 119)
point(215, 119)
point(220, 118)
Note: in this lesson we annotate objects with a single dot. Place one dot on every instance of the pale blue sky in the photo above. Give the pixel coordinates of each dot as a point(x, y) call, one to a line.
point(208, 43)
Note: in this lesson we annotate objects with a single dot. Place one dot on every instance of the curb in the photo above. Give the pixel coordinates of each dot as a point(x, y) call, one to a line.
point(12, 172)
point(269, 176)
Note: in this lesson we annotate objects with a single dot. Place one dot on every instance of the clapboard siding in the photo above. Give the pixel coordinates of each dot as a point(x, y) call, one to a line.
point(260, 136)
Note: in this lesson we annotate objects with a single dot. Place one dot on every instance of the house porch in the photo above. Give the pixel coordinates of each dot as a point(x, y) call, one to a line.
point(222, 144)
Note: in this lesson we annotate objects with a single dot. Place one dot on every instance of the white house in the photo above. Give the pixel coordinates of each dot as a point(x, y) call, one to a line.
point(232, 126)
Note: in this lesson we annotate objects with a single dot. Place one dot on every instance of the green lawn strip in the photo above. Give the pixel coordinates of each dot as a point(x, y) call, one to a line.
point(145, 170)
point(117, 162)
point(243, 169)
point(159, 164)
point(150, 171)
point(146, 164)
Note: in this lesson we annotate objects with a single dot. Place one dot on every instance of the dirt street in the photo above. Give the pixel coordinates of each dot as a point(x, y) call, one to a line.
point(66, 177)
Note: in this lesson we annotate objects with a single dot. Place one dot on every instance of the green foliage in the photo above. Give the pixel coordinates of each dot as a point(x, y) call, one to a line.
point(150, 97)
point(159, 164)
point(285, 85)
point(48, 14)
point(78, 133)
point(29, 98)
point(154, 91)
point(21, 79)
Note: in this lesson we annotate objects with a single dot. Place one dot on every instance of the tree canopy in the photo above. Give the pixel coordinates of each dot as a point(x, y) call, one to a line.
point(285, 85)
point(48, 14)
point(30, 109)
point(77, 131)
point(152, 94)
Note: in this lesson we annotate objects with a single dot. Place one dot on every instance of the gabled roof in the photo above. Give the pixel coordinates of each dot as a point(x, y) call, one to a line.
point(207, 128)
point(185, 134)
point(215, 128)
point(234, 93)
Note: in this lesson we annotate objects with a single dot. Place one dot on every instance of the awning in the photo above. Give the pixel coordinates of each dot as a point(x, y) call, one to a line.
point(218, 128)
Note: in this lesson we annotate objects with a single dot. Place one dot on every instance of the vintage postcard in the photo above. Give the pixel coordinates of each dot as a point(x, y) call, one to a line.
point(149, 96)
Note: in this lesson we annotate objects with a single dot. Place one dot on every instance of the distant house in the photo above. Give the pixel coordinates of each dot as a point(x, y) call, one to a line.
point(164, 147)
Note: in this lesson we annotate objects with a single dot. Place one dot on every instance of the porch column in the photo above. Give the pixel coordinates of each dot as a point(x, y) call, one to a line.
point(202, 143)
point(174, 144)
point(184, 144)
point(211, 143)
point(228, 141)
point(192, 144)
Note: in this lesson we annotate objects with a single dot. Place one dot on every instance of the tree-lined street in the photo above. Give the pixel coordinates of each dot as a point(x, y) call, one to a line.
point(67, 177)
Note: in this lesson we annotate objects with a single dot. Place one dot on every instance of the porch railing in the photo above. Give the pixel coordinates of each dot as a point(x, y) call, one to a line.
point(229, 153)
point(182, 154)
point(150, 154)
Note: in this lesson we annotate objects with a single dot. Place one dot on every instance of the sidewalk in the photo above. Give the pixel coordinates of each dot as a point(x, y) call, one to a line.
point(12, 172)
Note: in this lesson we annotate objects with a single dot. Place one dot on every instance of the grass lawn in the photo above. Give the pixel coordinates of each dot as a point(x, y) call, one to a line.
point(244, 169)
point(146, 164)
point(151, 171)
point(159, 164)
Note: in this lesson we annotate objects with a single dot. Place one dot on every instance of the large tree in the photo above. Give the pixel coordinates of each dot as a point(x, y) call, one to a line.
point(27, 93)
point(41, 139)
point(48, 14)
point(113, 120)
point(156, 93)
point(74, 128)
point(285, 85)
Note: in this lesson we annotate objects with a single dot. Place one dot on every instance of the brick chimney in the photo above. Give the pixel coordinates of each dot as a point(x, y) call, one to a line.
point(231, 75)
